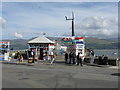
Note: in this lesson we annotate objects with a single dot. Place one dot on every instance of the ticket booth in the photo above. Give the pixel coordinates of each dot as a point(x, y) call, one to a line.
point(42, 44)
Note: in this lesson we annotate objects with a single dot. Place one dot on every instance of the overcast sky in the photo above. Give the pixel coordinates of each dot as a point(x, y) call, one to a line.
point(30, 19)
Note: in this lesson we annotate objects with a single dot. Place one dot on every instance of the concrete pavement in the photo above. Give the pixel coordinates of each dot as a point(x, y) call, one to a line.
point(58, 75)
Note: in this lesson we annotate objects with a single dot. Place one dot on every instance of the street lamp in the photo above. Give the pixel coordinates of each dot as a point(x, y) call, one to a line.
point(73, 34)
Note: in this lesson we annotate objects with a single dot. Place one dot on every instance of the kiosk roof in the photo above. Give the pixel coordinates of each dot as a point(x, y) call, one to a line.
point(41, 39)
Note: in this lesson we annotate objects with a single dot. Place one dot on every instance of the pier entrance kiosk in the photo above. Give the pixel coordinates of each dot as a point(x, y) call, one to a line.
point(42, 46)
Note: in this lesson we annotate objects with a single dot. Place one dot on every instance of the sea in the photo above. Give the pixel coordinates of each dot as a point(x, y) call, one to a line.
point(113, 54)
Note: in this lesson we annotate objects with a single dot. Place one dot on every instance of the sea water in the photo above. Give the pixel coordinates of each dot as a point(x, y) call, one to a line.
point(110, 53)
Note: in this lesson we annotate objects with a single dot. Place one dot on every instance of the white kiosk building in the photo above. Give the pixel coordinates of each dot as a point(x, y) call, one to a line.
point(40, 44)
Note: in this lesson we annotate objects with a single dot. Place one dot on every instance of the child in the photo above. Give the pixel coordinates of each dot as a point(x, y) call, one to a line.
point(21, 58)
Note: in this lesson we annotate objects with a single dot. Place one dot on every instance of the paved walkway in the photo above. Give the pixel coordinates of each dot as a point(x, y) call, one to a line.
point(58, 75)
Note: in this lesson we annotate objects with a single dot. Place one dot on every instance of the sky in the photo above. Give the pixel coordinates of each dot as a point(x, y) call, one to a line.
point(26, 20)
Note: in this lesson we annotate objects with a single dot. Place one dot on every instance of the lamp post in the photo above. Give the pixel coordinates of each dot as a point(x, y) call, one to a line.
point(73, 34)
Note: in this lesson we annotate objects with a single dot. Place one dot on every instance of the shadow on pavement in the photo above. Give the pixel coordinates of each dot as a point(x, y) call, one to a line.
point(59, 61)
point(116, 74)
point(15, 63)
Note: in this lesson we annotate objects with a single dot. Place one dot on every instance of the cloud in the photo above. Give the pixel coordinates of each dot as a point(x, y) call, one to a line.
point(94, 22)
point(18, 35)
point(97, 26)
point(2, 21)
point(49, 18)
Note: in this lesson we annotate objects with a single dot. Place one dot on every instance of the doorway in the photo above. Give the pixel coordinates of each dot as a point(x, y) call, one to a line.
point(41, 54)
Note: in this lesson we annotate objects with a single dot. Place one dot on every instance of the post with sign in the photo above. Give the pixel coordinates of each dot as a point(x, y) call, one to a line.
point(80, 45)
point(80, 48)
point(51, 47)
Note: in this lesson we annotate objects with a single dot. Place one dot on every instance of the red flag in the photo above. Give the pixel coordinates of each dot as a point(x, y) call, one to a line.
point(78, 38)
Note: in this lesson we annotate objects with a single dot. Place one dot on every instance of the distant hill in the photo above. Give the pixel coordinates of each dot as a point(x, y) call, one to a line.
point(17, 44)
point(93, 43)
point(96, 43)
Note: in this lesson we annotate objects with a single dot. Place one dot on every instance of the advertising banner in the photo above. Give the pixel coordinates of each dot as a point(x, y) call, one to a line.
point(4, 50)
point(4, 45)
point(51, 46)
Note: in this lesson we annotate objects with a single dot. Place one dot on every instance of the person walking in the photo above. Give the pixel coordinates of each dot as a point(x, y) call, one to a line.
point(66, 57)
point(18, 56)
point(79, 60)
point(44, 56)
point(73, 57)
point(92, 57)
point(21, 58)
point(83, 57)
point(33, 56)
point(53, 57)
point(70, 57)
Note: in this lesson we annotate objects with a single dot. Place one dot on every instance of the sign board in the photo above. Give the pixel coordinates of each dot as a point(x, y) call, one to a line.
point(80, 46)
point(4, 44)
point(51, 47)
point(4, 50)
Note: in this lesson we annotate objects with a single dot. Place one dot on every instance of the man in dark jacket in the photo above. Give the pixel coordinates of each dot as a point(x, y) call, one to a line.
point(70, 57)
point(66, 58)
point(79, 60)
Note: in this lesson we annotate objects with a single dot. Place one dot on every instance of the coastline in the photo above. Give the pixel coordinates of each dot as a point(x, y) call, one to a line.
point(106, 50)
